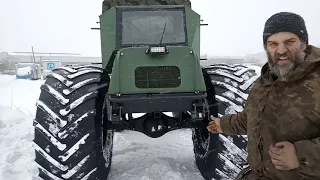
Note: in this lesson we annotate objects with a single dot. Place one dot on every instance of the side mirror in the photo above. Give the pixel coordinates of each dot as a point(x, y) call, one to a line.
point(96, 28)
point(201, 20)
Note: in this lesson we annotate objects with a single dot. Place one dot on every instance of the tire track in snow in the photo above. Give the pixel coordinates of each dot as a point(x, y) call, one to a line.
point(137, 156)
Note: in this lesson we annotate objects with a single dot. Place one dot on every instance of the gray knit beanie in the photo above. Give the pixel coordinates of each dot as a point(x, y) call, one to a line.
point(285, 22)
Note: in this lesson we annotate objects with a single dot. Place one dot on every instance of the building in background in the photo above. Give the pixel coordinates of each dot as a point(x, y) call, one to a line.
point(9, 61)
point(64, 59)
point(77, 59)
point(222, 60)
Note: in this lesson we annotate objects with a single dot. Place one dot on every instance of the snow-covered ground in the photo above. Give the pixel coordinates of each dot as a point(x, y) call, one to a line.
point(16, 135)
point(139, 157)
point(136, 156)
point(19, 94)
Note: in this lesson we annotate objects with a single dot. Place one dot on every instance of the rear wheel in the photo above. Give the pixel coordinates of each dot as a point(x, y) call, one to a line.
point(219, 156)
point(70, 141)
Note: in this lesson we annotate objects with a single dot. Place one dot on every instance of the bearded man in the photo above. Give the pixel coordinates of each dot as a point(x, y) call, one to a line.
point(282, 113)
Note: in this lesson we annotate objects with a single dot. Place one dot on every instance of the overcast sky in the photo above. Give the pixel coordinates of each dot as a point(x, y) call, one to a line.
point(235, 27)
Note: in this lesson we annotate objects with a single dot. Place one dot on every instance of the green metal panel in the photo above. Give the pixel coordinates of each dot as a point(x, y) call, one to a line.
point(108, 35)
point(128, 59)
point(108, 30)
point(193, 29)
point(124, 63)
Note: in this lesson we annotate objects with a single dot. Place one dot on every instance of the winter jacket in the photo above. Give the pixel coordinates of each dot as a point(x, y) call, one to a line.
point(278, 111)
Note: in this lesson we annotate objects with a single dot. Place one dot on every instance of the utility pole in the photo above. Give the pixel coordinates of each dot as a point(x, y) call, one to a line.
point(34, 59)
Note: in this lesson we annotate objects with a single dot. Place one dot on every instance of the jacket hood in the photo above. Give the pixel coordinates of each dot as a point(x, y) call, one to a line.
point(312, 59)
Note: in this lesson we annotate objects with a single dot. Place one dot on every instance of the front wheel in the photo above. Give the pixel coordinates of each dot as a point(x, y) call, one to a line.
point(70, 141)
point(220, 156)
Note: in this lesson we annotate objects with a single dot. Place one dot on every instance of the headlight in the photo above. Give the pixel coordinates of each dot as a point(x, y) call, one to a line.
point(157, 50)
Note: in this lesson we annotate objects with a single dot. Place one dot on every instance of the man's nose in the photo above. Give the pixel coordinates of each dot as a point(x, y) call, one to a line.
point(282, 49)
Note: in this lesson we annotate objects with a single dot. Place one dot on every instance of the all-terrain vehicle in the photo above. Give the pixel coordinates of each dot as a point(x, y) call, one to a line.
point(150, 64)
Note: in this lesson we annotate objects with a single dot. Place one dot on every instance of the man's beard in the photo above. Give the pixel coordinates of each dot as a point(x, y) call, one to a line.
point(283, 70)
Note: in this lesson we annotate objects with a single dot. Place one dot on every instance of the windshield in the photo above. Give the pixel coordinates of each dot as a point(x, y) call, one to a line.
point(147, 27)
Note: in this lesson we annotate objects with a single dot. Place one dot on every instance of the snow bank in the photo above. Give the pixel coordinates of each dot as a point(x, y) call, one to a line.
point(17, 154)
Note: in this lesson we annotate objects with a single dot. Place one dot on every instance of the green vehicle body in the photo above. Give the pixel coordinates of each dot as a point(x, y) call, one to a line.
point(150, 66)
point(133, 70)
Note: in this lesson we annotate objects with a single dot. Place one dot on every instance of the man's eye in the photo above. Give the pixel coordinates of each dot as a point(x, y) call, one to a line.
point(272, 44)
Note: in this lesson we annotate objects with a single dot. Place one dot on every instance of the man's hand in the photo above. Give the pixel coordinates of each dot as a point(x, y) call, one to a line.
point(214, 126)
point(284, 156)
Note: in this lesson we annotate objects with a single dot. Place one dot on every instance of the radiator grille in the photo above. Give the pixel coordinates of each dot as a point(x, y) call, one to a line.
point(157, 77)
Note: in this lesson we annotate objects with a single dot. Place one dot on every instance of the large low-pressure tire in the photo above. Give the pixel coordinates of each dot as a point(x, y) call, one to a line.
point(219, 156)
point(69, 139)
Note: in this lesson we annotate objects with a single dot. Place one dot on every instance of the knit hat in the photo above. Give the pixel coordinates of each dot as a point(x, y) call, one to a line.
point(285, 22)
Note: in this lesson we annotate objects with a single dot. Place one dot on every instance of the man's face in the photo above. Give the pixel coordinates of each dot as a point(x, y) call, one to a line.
point(285, 51)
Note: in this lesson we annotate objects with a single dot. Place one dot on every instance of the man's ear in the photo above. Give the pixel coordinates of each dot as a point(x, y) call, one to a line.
point(305, 48)
point(264, 46)
point(303, 45)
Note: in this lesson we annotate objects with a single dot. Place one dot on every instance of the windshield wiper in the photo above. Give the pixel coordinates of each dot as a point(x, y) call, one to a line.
point(164, 29)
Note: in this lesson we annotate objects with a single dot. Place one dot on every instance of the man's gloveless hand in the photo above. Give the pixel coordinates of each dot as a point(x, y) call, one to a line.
point(214, 125)
point(284, 156)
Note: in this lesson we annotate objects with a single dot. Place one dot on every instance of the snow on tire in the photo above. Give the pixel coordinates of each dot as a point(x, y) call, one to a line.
point(219, 156)
point(69, 132)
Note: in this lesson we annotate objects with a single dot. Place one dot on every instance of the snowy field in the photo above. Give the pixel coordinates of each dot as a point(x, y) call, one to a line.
point(136, 156)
